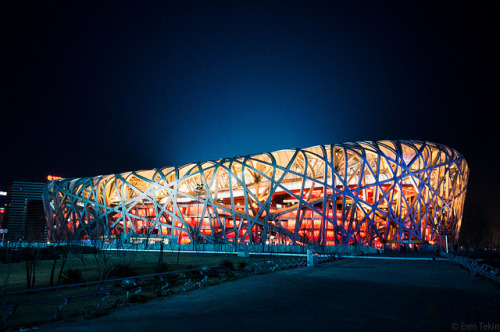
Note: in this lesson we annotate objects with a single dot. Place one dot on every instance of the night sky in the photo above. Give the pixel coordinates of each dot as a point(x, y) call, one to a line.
point(101, 87)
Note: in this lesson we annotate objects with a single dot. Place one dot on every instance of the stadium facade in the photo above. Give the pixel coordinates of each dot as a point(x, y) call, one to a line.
point(364, 193)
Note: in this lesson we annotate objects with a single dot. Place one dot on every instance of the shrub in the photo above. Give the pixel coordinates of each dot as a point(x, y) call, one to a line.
point(173, 278)
point(138, 298)
point(162, 267)
point(72, 276)
point(228, 264)
point(121, 270)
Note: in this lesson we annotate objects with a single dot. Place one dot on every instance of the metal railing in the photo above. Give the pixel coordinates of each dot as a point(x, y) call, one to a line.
point(189, 278)
point(162, 283)
point(474, 267)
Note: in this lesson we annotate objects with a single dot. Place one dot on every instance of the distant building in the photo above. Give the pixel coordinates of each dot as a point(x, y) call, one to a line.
point(386, 193)
point(24, 216)
point(3, 195)
point(2, 213)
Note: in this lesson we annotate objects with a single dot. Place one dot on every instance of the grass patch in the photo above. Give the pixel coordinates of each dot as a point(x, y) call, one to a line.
point(84, 266)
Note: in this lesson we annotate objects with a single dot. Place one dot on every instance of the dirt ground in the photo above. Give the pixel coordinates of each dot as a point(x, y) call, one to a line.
point(91, 265)
point(13, 276)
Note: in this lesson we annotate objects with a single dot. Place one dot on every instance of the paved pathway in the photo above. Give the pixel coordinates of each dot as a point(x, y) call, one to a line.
point(346, 295)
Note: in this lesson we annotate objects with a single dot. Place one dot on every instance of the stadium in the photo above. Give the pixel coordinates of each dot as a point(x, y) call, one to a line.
point(383, 193)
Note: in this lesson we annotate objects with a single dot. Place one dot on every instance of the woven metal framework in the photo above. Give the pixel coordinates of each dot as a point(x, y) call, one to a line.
point(366, 193)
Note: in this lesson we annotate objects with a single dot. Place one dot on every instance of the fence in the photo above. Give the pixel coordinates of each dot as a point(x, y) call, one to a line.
point(116, 292)
point(474, 267)
point(209, 248)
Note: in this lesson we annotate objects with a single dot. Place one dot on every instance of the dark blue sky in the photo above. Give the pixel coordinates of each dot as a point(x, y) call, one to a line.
point(100, 87)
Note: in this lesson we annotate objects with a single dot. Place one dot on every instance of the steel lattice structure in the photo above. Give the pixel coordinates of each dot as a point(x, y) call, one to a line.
point(366, 193)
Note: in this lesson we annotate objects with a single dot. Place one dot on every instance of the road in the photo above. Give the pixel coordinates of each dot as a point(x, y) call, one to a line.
point(345, 295)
